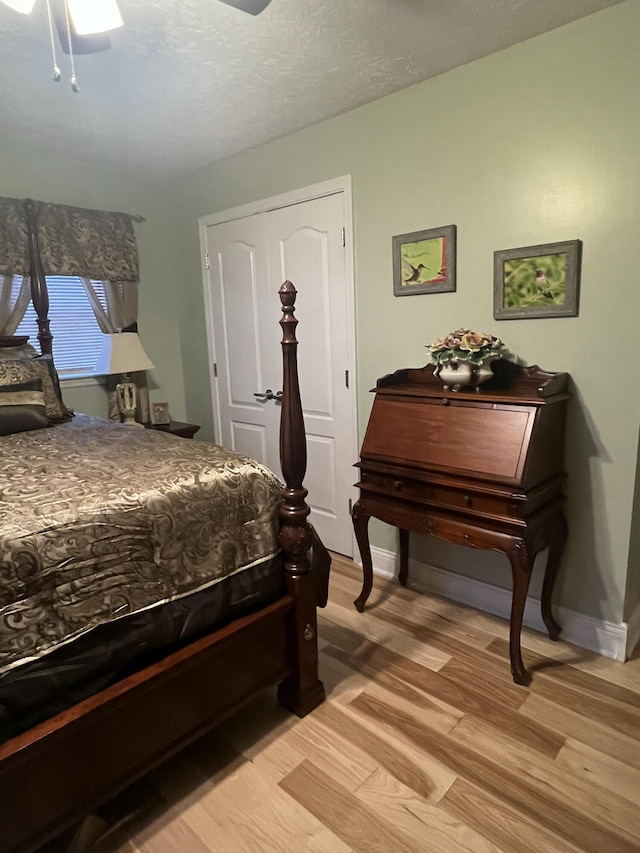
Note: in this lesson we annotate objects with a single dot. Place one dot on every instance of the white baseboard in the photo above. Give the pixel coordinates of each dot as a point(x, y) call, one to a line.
point(633, 632)
point(606, 638)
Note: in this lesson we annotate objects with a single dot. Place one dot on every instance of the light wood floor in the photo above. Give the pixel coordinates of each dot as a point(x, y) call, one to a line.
point(424, 744)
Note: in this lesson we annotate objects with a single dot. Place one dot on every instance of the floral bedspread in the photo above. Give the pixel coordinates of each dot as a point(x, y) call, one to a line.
point(99, 520)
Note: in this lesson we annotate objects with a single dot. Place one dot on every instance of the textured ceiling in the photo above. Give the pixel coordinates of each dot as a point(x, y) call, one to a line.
point(191, 81)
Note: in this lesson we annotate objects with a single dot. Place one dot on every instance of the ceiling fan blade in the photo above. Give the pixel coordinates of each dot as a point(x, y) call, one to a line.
point(80, 44)
point(24, 6)
point(90, 17)
point(253, 7)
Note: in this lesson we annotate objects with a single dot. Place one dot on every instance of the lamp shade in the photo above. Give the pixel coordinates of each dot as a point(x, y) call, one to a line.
point(24, 6)
point(122, 353)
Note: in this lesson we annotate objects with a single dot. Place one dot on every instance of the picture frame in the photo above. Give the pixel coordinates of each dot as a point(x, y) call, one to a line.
point(537, 282)
point(160, 414)
point(425, 261)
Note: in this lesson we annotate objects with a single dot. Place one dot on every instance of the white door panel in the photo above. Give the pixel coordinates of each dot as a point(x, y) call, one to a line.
point(244, 423)
point(250, 440)
point(241, 332)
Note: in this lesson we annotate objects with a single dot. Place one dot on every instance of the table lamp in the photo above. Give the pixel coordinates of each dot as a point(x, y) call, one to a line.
point(122, 353)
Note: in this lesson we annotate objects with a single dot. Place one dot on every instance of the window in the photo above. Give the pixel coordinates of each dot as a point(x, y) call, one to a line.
point(77, 338)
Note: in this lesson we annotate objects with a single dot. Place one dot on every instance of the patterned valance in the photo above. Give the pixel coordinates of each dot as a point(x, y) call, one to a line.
point(72, 240)
point(14, 246)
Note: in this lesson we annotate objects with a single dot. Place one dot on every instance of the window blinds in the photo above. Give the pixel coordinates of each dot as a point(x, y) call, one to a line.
point(77, 336)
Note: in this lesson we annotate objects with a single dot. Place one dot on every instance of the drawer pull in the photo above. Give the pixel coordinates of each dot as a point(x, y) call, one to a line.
point(445, 401)
point(397, 484)
point(468, 500)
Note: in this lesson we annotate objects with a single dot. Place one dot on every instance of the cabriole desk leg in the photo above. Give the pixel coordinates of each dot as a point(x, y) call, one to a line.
point(521, 560)
point(361, 528)
point(556, 538)
point(404, 557)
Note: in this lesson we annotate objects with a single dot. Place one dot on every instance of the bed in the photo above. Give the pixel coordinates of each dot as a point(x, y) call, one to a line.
point(127, 639)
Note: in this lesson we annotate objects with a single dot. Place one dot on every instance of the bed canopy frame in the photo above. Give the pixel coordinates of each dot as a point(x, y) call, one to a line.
point(54, 774)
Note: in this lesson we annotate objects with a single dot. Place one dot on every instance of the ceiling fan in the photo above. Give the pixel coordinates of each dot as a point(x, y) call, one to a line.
point(89, 15)
point(91, 20)
point(253, 7)
point(83, 26)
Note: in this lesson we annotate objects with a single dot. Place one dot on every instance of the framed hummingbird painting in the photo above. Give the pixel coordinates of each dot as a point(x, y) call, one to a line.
point(537, 281)
point(425, 261)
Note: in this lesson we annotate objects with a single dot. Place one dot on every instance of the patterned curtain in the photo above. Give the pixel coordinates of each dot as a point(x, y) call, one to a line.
point(89, 243)
point(122, 304)
point(14, 301)
point(14, 245)
point(14, 261)
point(121, 316)
point(73, 241)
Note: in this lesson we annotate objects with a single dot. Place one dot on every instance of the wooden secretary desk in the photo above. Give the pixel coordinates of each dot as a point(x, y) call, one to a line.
point(482, 468)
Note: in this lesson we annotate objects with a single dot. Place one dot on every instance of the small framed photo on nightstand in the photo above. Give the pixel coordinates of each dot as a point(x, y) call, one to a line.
point(160, 414)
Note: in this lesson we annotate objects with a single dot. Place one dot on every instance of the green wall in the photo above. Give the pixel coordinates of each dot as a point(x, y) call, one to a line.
point(632, 598)
point(536, 144)
point(71, 181)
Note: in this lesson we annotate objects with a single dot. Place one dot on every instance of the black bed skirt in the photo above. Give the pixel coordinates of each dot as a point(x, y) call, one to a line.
point(39, 689)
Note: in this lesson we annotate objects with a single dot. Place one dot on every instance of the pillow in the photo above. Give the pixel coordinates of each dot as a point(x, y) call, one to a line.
point(16, 371)
point(21, 351)
point(22, 407)
point(13, 340)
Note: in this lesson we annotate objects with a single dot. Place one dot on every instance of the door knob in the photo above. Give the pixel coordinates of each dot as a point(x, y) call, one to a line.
point(269, 395)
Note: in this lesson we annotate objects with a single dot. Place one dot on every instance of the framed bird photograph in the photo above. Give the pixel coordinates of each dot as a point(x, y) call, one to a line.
point(425, 261)
point(537, 281)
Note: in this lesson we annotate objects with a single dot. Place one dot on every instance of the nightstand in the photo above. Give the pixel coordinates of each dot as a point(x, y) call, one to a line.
point(178, 428)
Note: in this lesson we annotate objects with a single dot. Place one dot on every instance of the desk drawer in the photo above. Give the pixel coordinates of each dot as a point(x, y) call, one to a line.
point(462, 500)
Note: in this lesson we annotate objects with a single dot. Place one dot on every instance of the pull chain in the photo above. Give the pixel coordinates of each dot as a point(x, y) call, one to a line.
point(56, 74)
point(74, 79)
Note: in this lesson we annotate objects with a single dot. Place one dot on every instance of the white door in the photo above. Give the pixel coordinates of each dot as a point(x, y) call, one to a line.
point(249, 258)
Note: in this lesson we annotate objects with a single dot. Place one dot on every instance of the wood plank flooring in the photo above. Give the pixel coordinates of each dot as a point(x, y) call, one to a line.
point(424, 744)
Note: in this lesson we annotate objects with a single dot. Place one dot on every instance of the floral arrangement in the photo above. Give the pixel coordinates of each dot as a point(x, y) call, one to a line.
point(466, 345)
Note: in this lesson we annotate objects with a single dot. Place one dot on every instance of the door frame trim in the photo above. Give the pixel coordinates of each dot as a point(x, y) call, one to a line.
point(334, 186)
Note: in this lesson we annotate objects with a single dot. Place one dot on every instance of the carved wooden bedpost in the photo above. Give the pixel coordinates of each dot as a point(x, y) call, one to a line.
point(39, 295)
point(301, 691)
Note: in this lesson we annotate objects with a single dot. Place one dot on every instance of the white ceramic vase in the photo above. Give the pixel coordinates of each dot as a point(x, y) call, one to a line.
point(456, 375)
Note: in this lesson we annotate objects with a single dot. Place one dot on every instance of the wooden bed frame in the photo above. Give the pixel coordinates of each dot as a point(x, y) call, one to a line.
point(57, 772)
